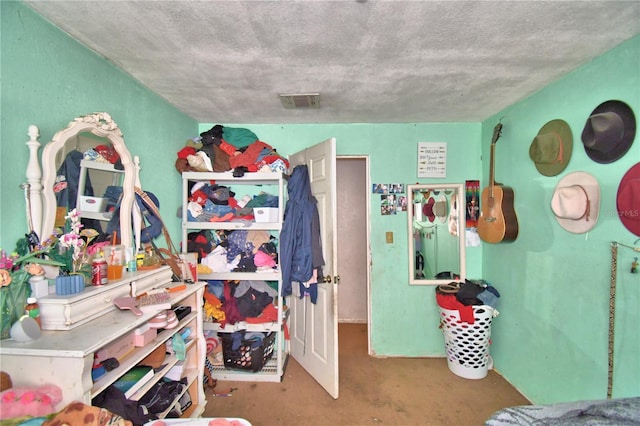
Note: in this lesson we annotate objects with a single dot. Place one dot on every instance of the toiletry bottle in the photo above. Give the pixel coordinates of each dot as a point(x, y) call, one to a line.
point(33, 310)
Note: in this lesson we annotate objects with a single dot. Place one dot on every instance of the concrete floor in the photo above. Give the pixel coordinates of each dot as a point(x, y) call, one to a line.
point(373, 391)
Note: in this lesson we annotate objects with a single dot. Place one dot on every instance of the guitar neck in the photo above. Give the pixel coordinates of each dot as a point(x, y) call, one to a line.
point(492, 180)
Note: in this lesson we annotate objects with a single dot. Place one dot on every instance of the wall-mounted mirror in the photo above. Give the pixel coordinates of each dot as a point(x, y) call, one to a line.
point(436, 233)
point(88, 189)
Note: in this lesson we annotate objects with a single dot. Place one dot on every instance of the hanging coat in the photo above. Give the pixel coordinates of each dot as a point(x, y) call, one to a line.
point(300, 243)
point(66, 189)
point(67, 178)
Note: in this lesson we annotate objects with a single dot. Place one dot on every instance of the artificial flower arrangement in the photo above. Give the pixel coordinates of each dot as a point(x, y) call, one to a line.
point(15, 271)
point(71, 246)
point(68, 249)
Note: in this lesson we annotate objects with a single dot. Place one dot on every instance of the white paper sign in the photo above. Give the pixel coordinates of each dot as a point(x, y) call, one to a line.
point(432, 159)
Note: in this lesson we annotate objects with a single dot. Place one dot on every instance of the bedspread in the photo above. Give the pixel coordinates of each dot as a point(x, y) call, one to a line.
point(618, 412)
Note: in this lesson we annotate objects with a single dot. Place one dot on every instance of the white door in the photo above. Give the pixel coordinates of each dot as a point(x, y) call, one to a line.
point(314, 327)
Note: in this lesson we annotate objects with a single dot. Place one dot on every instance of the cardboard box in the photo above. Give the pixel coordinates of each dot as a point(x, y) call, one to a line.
point(117, 349)
point(93, 204)
point(265, 214)
point(143, 335)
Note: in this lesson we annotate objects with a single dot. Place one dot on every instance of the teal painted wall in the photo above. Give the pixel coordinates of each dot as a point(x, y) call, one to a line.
point(48, 79)
point(404, 318)
point(551, 337)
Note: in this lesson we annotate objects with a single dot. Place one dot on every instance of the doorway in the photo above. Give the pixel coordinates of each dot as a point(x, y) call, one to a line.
point(352, 185)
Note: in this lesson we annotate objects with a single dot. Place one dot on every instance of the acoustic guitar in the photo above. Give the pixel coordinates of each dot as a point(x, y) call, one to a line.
point(498, 222)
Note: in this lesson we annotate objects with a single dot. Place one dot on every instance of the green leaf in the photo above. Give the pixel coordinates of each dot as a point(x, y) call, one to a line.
point(33, 258)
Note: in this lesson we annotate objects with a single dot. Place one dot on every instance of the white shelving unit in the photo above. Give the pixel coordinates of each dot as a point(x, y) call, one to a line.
point(66, 357)
point(272, 183)
point(103, 169)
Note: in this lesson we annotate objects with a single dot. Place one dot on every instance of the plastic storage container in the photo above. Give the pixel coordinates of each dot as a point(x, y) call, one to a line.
point(242, 352)
point(467, 345)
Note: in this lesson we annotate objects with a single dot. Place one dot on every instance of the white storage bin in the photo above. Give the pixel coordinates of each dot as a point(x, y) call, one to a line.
point(93, 204)
point(265, 214)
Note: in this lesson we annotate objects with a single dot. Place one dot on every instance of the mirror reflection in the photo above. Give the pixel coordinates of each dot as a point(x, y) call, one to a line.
point(89, 177)
point(436, 233)
point(87, 166)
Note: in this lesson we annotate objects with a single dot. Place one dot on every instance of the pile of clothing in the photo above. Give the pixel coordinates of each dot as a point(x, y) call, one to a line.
point(221, 149)
point(210, 202)
point(228, 302)
point(234, 250)
point(462, 297)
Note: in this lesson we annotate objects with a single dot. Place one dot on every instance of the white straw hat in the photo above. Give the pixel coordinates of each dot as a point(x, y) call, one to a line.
point(440, 208)
point(576, 202)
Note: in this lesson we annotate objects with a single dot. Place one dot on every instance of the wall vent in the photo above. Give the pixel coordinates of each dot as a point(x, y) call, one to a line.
point(300, 100)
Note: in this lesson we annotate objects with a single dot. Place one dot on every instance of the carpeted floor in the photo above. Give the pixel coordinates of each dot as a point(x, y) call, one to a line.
point(373, 391)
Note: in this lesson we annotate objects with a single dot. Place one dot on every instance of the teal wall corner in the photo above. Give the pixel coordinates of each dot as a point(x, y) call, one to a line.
point(48, 79)
point(551, 338)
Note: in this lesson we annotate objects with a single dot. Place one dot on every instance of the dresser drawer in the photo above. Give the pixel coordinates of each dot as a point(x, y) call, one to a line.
point(69, 311)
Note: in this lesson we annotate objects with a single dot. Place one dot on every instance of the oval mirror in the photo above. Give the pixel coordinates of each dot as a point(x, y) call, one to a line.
point(89, 189)
point(436, 233)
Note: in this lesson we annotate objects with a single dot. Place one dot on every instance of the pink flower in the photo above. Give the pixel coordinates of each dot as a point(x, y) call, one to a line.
point(28, 397)
point(10, 396)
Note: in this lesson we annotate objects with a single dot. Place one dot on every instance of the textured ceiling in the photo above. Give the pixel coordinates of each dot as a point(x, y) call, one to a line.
point(371, 61)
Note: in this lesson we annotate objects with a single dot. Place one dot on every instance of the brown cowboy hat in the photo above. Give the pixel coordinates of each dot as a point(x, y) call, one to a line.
point(609, 132)
point(551, 149)
point(576, 202)
point(628, 200)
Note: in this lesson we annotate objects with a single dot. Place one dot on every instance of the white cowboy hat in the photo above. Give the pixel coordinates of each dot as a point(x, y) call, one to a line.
point(440, 208)
point(576, 202)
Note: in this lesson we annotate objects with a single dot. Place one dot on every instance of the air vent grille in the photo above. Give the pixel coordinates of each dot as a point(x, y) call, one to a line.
point(300, 100)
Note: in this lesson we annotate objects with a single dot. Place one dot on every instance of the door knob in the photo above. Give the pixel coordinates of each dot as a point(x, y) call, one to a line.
point(327, 279)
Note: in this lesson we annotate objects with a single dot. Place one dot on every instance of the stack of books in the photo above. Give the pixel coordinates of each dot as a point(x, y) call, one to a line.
point(133, 380)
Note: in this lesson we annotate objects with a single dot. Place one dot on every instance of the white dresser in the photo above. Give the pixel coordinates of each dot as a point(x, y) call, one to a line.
point(66, 357)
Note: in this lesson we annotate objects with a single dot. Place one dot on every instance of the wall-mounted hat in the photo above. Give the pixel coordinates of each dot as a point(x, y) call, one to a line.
point(440, 208)
point(427, 209)
point(609, 132)
point(628, 200)
point(551, 149)
point(576, 202)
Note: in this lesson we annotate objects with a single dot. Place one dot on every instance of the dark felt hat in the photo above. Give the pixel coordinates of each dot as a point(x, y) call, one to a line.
point(628, 200)
point(551, 149)
point(609, 132)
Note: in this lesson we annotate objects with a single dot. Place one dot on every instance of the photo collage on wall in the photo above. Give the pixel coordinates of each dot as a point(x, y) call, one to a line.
point(392, 197)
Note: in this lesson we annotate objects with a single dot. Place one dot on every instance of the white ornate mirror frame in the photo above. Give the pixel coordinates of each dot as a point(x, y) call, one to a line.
point(443, 229)
point(102, 125)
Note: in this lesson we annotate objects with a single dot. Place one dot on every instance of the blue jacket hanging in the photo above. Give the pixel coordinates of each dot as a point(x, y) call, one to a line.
point(300, 242)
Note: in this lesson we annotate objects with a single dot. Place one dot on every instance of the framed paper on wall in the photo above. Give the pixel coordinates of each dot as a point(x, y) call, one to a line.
point(432, 159)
